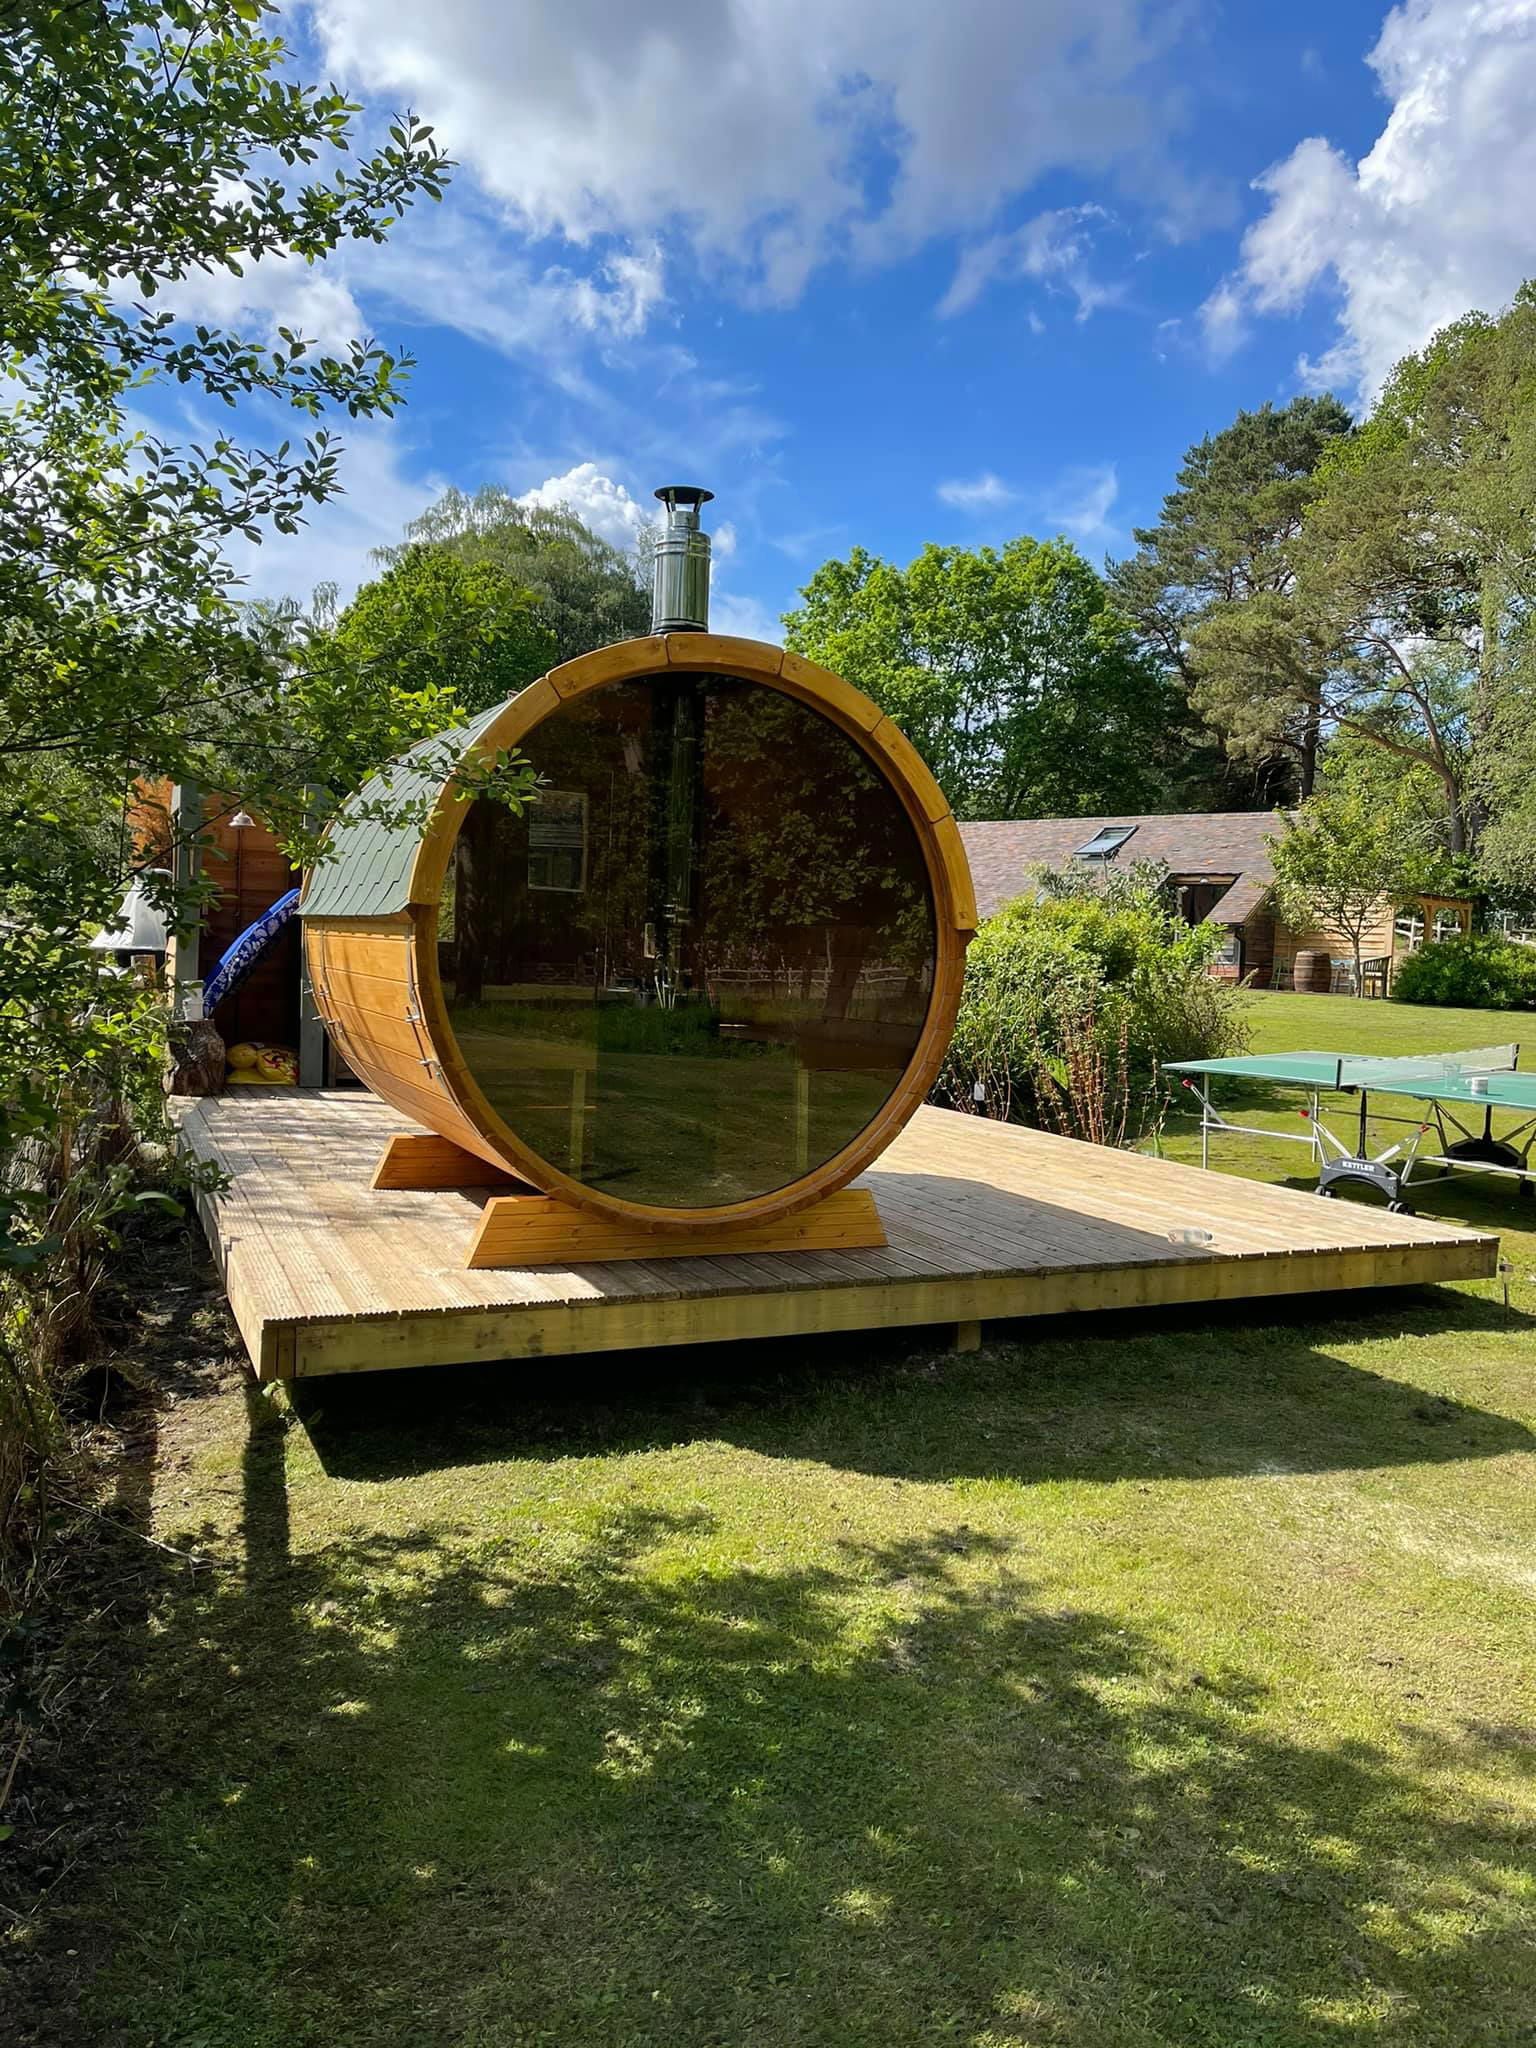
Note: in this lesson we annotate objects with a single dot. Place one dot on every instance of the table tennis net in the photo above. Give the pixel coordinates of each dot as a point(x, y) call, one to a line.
point(1358, 1070)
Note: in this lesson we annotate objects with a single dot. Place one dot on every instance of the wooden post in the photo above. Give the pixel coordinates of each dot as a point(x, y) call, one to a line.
point(967, 1337)
point(312, 1038)
point(421, 1159)
point(181, 953)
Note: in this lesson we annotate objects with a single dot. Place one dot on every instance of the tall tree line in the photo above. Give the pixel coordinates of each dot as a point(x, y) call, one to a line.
point(1356, 600)
point(1321, 600)
point(1213, 588)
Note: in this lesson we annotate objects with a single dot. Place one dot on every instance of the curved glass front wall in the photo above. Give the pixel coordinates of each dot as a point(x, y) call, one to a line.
point(696, 968)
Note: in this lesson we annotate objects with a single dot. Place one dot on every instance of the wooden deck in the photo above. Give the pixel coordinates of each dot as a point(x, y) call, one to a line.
point(985, 1220)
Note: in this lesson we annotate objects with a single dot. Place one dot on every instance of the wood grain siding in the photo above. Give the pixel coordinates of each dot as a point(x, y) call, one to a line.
point(374, 974)
point(1259, 948)
point(1376, 938)
point(363, 972)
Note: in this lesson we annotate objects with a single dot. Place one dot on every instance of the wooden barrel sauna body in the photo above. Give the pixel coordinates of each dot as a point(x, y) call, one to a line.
point(704, 979)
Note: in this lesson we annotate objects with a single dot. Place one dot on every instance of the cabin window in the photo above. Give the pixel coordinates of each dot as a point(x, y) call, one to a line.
point(557, 840)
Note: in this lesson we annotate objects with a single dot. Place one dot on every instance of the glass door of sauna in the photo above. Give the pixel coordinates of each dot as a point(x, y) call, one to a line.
point(696, 966)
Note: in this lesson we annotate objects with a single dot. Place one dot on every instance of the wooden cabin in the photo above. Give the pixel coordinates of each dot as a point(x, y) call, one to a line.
point(250, 873)
point(1220, 868)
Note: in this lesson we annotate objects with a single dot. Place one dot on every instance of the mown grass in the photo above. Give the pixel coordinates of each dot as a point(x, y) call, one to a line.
point(1128, 1683)
point(1282, 1022)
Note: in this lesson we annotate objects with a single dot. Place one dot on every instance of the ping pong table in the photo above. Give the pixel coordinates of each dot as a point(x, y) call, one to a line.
point(1453, 1086)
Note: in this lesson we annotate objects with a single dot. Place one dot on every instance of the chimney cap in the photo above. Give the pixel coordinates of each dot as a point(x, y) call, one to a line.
point(684, 494)
point(680, 563)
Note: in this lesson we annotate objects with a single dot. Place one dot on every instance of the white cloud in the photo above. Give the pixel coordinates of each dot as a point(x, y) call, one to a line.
point(624, 304)
point(770, 134)
point(450, 266)
point(732, 612)
point(272, 291)
point(1437, 218)
point(447, 266)
point(596, 500)
point(1078, 502)
point(977, 493)
point(313, 300)
point(1081, 499)
point(1223, 322)
point(1053, 248)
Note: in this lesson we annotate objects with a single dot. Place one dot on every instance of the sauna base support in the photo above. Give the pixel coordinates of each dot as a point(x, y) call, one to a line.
point(421, 1159)
point(521, 1227)
point(538, 1230)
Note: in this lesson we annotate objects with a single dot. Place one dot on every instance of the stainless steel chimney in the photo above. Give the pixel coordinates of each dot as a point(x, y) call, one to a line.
point(680, 564)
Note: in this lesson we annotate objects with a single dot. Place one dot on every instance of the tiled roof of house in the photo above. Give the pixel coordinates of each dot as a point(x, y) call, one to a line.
point(1221, 845)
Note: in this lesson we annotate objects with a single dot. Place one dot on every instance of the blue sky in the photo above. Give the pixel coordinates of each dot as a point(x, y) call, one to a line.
point(879, 272)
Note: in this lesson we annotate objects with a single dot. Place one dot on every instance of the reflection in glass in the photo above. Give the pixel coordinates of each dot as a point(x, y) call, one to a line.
point(696, 968)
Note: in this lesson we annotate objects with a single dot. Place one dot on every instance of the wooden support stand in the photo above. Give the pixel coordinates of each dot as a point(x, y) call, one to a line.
point(538, 1230)
point(421, 1159)
point(521, 1227)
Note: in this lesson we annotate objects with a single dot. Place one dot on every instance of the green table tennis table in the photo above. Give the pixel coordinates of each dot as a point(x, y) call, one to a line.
point(1452, 1086)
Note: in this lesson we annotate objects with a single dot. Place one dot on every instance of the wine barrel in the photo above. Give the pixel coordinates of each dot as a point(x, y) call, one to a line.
point(1313, 972)
point(704, 977)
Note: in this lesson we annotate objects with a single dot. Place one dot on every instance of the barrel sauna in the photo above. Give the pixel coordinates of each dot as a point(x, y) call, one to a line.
point(700, 982)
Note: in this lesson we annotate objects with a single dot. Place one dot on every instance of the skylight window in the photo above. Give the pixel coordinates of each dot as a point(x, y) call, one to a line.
point(1106, 842)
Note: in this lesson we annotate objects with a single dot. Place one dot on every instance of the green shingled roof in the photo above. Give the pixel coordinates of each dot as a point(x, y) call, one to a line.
point(367, 871)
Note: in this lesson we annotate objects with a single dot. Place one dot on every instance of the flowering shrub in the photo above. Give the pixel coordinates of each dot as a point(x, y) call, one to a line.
point(1074, 1001)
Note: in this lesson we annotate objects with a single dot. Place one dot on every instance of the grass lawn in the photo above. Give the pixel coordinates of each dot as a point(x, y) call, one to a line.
point(1130, 1682)
point(1283, 1022)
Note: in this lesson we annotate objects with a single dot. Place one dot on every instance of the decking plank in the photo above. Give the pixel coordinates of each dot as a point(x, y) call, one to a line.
point(984, 1220)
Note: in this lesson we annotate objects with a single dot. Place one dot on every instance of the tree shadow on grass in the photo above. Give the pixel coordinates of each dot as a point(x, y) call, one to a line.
point(1204, 1393)
point(595, 1785)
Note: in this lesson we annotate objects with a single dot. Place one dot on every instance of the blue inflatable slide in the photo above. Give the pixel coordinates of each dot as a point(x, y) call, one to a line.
point(240, 957)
